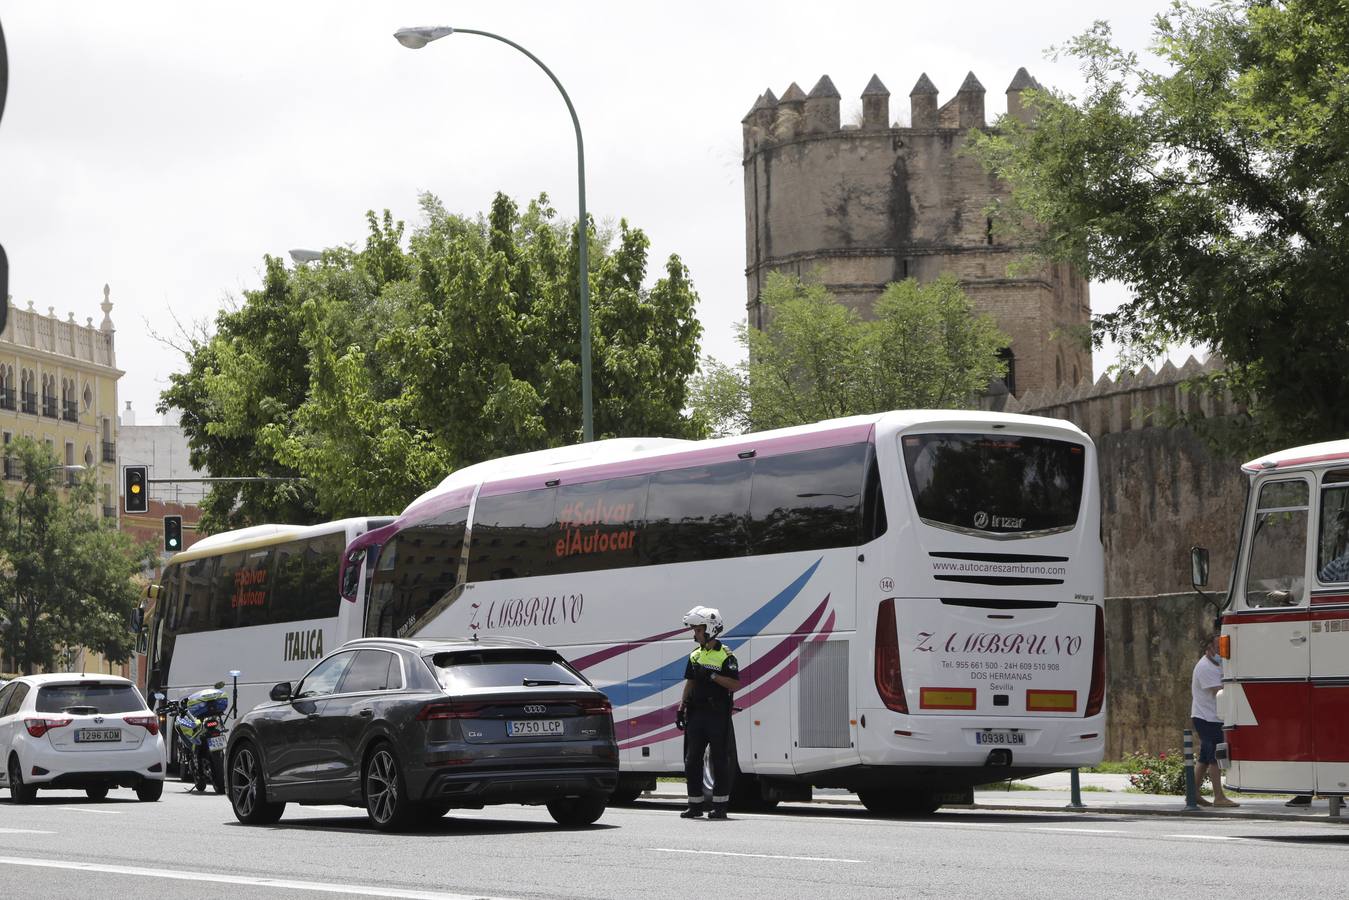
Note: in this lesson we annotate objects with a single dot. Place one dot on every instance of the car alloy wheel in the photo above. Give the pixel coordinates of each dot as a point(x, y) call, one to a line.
point(18, 791)
point(389, 810)
point(248, 790)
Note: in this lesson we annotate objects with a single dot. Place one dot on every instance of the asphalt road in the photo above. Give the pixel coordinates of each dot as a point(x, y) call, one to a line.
point(189, 845)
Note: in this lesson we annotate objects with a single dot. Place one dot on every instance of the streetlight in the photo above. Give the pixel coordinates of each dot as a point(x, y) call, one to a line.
point(305, 256)
point(417, 38)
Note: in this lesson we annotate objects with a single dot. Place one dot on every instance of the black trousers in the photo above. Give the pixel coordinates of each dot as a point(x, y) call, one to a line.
point(708, 727)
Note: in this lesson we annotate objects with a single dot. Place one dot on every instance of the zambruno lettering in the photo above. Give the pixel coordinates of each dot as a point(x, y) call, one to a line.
point(1010, 644)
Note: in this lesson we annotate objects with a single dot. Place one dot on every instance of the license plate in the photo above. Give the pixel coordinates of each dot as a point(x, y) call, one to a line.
point(533, 727)
point(1000, 737)
point(216, 743)
point(94, 735)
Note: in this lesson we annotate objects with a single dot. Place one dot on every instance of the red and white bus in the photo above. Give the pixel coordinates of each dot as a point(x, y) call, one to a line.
point(914, 597)
point(1285, 628)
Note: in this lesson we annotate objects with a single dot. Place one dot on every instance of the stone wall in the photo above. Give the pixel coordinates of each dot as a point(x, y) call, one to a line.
point(1163, 490)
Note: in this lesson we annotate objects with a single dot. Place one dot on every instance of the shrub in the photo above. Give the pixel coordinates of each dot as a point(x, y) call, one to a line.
point(1160, 774)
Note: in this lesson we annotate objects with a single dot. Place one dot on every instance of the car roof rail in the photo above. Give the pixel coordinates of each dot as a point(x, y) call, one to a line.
point(375, 641)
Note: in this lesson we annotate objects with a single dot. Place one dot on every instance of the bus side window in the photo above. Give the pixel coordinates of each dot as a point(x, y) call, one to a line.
point(510, 535)
point(195, 607)
point(598, 525)
point(380, 611)
point(1332, 546)
point(874, 522)
point(1275, 567)
point(697, 513)
point(809, 500)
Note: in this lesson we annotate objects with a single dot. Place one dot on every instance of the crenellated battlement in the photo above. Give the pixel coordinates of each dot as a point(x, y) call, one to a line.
point(773, 121)
point(1133, 401)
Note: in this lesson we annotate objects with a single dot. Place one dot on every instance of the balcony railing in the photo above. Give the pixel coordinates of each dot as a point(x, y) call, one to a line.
point(49, 407)
point(70, 411)
point(72, 479)
point(7, 398)
point(109, 451)
point(30, 403)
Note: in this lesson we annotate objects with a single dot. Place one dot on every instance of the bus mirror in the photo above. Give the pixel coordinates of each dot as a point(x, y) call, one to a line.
point(137, 620)
point(152, 592)
point(280, 691)
point(1199, 566)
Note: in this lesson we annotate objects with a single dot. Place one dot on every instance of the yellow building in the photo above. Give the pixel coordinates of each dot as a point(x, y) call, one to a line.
point(58, 384)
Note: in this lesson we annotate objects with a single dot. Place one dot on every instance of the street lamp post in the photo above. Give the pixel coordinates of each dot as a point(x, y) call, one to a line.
point(415, 39)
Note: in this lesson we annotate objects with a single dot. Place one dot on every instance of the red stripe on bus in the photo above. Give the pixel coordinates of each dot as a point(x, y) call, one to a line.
point(1292, 615)
point(1331, 598)
point(1330, 723)
point(1282, 710)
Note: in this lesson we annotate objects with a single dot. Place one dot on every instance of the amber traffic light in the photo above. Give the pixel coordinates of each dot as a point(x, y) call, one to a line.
point(135, 489)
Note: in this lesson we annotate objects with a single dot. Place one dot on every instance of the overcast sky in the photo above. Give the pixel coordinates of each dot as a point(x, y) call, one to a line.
point(164, 148)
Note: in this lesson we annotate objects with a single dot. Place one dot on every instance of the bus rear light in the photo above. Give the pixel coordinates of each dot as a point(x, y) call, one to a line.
point(1096, 696)
point(149, 723)
point(39, 727)
point(433, 712)
point(946, 698)
point(889, 684)
point(1225, 646)
point(1051, 701)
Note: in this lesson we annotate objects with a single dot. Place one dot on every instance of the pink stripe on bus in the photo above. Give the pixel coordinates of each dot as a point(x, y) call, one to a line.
point(600, 656)
point(684, 459)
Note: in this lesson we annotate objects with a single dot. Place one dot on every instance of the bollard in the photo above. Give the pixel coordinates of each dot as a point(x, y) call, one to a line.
point(1335, 803)
point(1076, 804)
point(1191, 789)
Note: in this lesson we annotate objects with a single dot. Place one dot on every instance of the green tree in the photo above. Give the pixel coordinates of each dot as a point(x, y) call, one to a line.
point(817, 359)
point(373, 373)
point(68, 574)
point(1216, 188)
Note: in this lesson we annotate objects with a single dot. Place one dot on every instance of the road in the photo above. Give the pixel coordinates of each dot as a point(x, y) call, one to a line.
point(67, 846)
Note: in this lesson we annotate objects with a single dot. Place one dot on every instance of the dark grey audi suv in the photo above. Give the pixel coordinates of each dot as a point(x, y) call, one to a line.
point(409, 729)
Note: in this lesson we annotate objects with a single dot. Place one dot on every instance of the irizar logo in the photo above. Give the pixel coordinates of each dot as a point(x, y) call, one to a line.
point(983, 520)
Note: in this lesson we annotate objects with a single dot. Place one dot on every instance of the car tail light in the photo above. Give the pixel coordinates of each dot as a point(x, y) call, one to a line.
point(149, 723)
point(435, 711)
point(599, 706)
point(39, 727)
point(1096, 696)
point(889, 684)
point(212, 723)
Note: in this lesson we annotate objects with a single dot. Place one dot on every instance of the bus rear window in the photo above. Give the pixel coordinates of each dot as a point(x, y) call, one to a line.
point(995, 484)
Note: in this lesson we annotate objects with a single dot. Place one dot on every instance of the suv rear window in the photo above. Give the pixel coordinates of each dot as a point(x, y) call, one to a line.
point(995, 484)
point(501, 669)
point(100, 698)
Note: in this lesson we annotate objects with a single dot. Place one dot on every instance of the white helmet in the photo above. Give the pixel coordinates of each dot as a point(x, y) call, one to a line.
point(704, 615)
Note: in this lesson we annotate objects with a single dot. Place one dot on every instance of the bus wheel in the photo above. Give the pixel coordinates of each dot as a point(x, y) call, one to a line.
point(894, 802)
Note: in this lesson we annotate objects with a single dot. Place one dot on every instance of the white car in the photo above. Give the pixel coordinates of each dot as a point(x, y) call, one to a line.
point(78, 731)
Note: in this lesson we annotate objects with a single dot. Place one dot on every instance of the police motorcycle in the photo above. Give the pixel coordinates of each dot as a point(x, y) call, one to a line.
point(199, 736)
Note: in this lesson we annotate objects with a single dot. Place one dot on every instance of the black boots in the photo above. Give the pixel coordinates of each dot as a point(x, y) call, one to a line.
point(694, 812)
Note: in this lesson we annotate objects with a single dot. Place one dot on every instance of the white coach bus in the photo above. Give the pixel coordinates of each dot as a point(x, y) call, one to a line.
point(262, 601)
point(914, 597)
point(1285, 629)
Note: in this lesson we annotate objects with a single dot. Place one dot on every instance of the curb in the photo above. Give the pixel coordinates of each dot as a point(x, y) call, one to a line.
point(1096, 810)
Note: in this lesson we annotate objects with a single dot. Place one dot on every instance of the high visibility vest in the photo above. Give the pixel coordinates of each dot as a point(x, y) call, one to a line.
point(710, 659)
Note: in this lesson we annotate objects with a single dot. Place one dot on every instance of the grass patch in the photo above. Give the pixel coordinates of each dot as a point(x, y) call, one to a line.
point(1008, 786)
point(1109, 768)
point(1094, 789)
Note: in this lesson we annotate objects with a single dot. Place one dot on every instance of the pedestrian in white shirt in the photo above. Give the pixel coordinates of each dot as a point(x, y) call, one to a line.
point(1204, 685)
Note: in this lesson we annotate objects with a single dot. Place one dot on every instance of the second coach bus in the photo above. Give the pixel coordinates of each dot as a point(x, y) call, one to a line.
point(1285, 629)
point(263, 601)
point(914, 597)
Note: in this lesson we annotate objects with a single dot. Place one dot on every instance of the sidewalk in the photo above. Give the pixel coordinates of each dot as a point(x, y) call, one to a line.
point(1108, 794)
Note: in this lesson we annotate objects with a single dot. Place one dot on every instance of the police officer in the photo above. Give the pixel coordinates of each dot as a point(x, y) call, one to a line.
point(710, 678)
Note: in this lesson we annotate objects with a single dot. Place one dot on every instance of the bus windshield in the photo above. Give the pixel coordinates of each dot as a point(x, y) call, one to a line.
point(1001, 484)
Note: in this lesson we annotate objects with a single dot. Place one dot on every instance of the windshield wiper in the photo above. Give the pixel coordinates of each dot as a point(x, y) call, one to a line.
point(540, 682)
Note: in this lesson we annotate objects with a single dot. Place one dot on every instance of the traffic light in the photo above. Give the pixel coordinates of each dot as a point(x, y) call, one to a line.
point(173, 534)
point(135, 489)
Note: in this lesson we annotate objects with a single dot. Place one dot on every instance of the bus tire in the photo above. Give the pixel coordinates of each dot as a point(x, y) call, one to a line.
point(895, 802)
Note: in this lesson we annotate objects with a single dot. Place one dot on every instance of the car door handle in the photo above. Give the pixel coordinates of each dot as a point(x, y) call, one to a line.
point(312, 716)
point(366, 713)
point(1300, 639)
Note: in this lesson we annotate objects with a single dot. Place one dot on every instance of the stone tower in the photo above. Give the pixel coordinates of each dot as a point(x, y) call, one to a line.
point(856, 206)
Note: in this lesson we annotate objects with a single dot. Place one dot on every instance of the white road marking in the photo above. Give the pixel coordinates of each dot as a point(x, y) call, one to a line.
point(282, 883)
point(23, 831)
point(1203, 837)
point(753, 855)
point(101, 812)
point(1083, 830)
